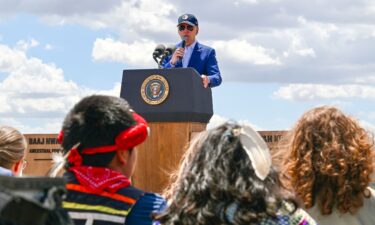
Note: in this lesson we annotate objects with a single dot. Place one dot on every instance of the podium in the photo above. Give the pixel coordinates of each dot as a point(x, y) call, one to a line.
point(176, 107)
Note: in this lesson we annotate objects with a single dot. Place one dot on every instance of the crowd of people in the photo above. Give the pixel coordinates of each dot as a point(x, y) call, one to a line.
point(226, 175)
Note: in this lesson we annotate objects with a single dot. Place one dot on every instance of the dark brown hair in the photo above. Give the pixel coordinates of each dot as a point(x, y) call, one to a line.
point(216, 174)
point(95, 121)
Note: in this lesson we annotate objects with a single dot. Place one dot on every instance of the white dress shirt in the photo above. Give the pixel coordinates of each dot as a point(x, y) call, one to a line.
point(187, 54)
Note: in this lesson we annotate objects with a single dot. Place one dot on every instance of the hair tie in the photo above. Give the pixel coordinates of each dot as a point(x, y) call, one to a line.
point(74, 158)
point(257, 150)
point(127, 139)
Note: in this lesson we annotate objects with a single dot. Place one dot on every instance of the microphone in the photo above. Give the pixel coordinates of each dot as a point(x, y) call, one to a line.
point(183, 44)
point(159, 50)
point(169, 50)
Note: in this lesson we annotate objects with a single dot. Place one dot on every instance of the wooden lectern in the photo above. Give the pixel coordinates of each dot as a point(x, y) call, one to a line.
point(176, 106)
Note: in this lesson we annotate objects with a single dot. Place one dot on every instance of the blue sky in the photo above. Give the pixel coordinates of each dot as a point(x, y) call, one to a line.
point(278, 58)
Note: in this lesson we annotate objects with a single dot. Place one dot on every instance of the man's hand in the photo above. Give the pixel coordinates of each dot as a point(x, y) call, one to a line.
point(178, 54)
point(206, 81)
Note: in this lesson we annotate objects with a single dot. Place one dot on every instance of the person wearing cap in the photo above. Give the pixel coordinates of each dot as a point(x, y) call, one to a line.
point(100, 134)
point(190, 53)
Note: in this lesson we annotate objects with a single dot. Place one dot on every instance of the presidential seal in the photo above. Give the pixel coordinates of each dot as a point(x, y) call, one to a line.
point(155, 89)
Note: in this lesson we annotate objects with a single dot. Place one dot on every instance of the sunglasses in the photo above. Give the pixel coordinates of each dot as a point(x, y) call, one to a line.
point(183, 27)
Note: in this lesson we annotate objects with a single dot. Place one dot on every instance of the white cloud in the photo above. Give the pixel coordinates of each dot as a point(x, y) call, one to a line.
point(297, 45)
point(25, 45)
point(115, 91)
point(48, 47)
point(33, 86)
point(366, 80)
point(245, 52)
point(35, 90)
point(322, 39)
point(372, 115)
point(239, 2)
point(302, 92)
point(305, 52)
point(129, 18)
point(137, 53)
point(66, 8)
point(253, 2)
point(282, 42)
point(322, 31)
point(369, 115)
point(38, 126)
point(247, 122)
point(368, 126)
point(218, 120)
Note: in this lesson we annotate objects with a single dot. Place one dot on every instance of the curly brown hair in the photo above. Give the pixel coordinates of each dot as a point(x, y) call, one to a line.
point(216, 174)
point(329, 160)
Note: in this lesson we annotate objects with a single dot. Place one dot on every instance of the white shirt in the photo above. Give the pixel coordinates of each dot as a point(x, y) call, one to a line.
point(187, 54)
point(364, 216)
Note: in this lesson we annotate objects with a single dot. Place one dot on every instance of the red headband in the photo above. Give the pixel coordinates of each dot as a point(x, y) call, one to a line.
point(127, 139)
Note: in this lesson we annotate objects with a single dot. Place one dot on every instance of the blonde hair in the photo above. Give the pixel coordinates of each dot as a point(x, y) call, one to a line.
point(12, 146)
point(330, 160)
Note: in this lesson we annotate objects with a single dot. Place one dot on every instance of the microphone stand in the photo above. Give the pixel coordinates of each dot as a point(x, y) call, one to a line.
point(161, 60)
point(169, 51)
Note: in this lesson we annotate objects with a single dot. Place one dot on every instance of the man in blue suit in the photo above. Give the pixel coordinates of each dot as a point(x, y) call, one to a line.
point(200, 57)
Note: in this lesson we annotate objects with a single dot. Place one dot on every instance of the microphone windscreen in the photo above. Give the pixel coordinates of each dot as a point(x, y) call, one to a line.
point(170, 50)
point(183, 44)
point(159, 50)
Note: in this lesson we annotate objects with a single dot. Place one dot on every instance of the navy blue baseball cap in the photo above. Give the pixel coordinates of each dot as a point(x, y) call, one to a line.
point(189, 19)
